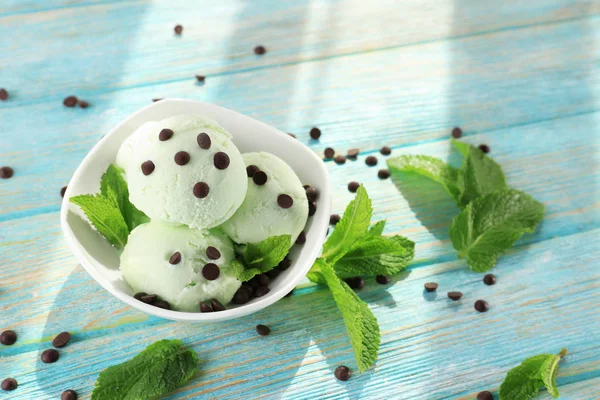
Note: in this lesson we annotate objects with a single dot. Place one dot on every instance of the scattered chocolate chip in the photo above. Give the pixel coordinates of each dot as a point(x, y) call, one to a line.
point(285, 201)
point(251, 170)
point(312, 208)
point(386, 151)
point(431, 286)
point(200, 78)
point(62, 191)
point(352, 153)
point(353, 186)
point(261, 290)
point(175, 258)
point(9, 384)
point(83, 104)
point(259, 178)
point(263, 280)
point(138, 296)
point(221, 160)
point(162, 304)
point(329, 152)
point(383, 279)
point(3, 94)
point(455, 295)
point(70, 101)
point(274, 273)
point(342, 373)
point(305, 187)
point(356, 282)
point(216, 306)
point(205, 307)
point(147, 167)
point(383, 173)
point(284, 264)
point(312, 193)
point(263, 330)
point(485, 395)
point(292, 135)
point(49, 356)
point(149, 299)
point(61, 339)
point(178, 29)
point(242, 296)
point(315, 133)
point(155, 100)
point(201, 190)
point(489, 279)
point(68, 395)
point(291, 292)
point(485, 148)
point(481, 306)
point(6, 172)
point(204, 141)
point(182, 157)
point(371, 161)
point(8, 337)
point(260, 50)
point(165, 134)
point(213, 253)
point(211, 271)
point(457, 133)
point(301, 238)
point(339, 159)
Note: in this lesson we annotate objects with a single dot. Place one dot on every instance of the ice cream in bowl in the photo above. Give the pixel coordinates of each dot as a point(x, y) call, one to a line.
point(189, 211)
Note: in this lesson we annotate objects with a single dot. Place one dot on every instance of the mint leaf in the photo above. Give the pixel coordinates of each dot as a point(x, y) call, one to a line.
point(462, 147)
point(113, 180)
point(481, 175)
point(267, 253)
point(105, 215)
point(352, 226)
point(361, 324)
point(525, 381)
point(379, 255)
point(244, 272)
point(377, 228)
point(490, 225)
point(315, 275)
point(159, 369)
point(433, 168)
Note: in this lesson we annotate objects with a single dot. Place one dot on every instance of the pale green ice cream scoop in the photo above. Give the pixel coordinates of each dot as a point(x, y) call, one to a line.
point(277, 207)
point(181, 265)
point(184, 170)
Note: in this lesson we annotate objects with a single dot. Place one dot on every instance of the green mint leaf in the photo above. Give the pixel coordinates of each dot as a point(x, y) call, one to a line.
point(268, 253)
point(433, 168)
point(481, 175)
point(490, 225)
point(191, 284)
point(377, 228)
point(352, 226)
point(105, 215)
point(361, 324)
point(159, 369)
point(462, 147)
point(379, 255)
point(113, 180)
point(245, 272)
point(525, 381)
point(315, 275)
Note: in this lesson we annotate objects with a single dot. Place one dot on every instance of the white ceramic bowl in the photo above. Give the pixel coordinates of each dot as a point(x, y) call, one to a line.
point(102, 260)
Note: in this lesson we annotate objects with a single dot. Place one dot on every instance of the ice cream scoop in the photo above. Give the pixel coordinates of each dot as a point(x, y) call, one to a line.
point(184, 170)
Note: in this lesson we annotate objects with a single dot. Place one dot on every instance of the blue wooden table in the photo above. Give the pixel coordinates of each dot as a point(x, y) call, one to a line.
point(520, 76)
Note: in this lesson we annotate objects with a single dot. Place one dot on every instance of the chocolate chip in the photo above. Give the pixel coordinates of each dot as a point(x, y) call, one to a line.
point(305, 187)
point(147, 167)
point(83, 104)
point(205, 307)
point(175, 258)
point(162, 304)
point(260, 50)
point(259, 178)
point(138, 296)
point(216, 306)
point(49, 356)
point(329, 152)
point(8, 337)
point(356, 282)
point(3, 94)
point(489, 279)
point(290, 293)
point(200, 78)
point(352, 153)
point(334, 219)
point(68, 395)
point(221, 160)
point(201, 190)
point(6, 172)
point(481, 306)
point(485, 148)
point(263, 330)
point(301, 238)
point(9, 384)
point(178, 29)
point(456, 133)
point(386, 151)
point(284, 264)
point(211, 271)
point(315, 133)
point(371, 161)
point(431, 286)
point(274, 273)
point(353, 186)
point(213, 253)
point(342, 373)
point(251, 170)
point(182, 157)
point(70, 101)
point(285, 201)
point(312, 208)
point(383, 279)
point(261, 291)
point(62, 191)
point(455, 295)
point(263, 280)
point(485, 395)
point(204, 141)
point(339, 159)
point(165, 134)
point(61, 339)
point(242, 296)
point(149, 299)
point(312, 193)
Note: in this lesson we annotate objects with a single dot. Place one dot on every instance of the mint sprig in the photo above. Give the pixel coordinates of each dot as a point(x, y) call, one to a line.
point(261, 257)
point(159, 369)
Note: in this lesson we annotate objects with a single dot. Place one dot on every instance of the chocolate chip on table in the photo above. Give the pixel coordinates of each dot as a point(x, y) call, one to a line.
point(291, 292)
point(329, 152)
point(221, 160)
point(371, 161)
point(242, 296)
point(6, 172)
point(3, 94)
point(213, 253)
point(334, 219)
point(205, 307)
point(162, 304)
point(352, 153)
point(284, 264)
point(356, 282)
point(457, 133)
point(175, 258)
point(485, 395)
point(147, 167)
point(211, 271)
point(342, 373)
point(353, 186)
point(386, 151)
point(204, 140)
point(301, 238)
point(165, 134)
point(260, 50)
point(315, 133)
point(263, 330)
point(83, 104)
point(200, 78)
point(251, 170)
point(383, 173)
point(312, 193)
point(182, 157)
point(149, 298)
point(261, 291)
point(139, 295)
point(216, 306)
point(455, 295)
point(259, 178)
point(285, 201)
point(340, 159)
point(383, 279)
point(312, 208)
point(68, 395)
point(61, 339)
point(431, 286)
point(485, 148)
point(201, 190)
point(9, 384)
point(70, 101)
point(178, 29)
point(8, 337)
point(49, 356)
point(489, 279)
point(62, 191)
point(481, 306)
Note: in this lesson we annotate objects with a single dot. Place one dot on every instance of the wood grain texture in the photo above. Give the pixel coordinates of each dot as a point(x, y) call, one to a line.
point(519, 76)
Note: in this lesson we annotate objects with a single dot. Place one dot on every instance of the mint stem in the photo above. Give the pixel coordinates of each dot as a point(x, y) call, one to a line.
point(563, 352)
